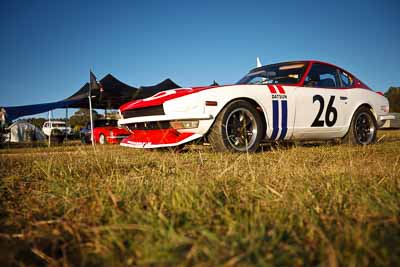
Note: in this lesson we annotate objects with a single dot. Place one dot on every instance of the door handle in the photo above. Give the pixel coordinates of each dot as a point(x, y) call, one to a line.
point(343, 98)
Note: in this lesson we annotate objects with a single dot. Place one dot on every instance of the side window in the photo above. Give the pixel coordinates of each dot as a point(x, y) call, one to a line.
point(346, 79)
point(258, 80)
point(323, 76)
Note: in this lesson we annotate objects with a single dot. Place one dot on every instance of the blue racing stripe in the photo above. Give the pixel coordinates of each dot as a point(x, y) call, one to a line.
point(284, 119)
point(275, 119)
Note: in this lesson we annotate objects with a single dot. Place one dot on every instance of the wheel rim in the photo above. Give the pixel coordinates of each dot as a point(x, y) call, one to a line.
point(241, 129)
point(102, 139)
point(365, 128)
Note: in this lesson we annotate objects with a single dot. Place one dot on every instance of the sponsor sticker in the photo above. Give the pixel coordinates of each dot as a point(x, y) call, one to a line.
point(139, 143)
point(276, 96)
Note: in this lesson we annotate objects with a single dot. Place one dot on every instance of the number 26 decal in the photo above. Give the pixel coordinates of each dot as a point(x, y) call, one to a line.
point(330, 109)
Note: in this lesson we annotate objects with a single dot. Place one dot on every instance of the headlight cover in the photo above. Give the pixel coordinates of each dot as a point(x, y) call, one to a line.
point(184, 124)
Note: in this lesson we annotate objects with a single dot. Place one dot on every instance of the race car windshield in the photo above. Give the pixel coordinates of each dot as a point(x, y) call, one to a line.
point(284, 73)
point(105, 123)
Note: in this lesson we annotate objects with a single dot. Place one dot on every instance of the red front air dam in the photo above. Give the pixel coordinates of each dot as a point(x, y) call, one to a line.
point(155, 138)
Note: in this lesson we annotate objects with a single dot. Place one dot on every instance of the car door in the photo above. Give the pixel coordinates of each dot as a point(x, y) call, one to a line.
point(321, 105)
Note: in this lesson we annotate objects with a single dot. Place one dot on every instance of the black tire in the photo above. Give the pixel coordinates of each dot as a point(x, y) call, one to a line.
point(238, 127)
point(363, 128)
point(102, 139)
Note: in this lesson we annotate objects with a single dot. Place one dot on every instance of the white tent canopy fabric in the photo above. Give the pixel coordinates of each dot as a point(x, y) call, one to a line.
point(22, 131)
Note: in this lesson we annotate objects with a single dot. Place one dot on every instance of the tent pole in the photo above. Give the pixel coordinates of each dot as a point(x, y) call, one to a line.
point(90, 110)
point(66, 119)
point(50, 128)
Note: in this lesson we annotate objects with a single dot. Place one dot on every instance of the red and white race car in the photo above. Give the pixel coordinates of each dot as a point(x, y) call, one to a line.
point(300, 100)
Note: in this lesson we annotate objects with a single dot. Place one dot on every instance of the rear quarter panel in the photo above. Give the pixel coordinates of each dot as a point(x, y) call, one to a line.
point(358, 97)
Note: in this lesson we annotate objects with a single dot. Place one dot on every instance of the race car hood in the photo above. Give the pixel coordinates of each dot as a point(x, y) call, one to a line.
point(161, 97)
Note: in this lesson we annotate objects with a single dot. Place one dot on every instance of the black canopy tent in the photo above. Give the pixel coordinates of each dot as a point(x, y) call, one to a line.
point(15, 112)
point(114, 94)
point(147, 91)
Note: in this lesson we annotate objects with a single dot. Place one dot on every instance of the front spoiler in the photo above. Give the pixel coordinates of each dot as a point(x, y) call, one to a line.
point(158, 138)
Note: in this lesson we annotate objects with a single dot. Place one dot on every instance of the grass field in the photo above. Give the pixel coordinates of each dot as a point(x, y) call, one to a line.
point(322, 205)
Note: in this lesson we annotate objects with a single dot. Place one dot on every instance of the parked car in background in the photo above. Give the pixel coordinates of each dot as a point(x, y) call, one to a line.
point(57, 130)
point(104, 131)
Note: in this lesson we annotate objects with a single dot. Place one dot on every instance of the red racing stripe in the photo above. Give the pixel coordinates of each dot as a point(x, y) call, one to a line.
point(271, 89)
point(280, 89)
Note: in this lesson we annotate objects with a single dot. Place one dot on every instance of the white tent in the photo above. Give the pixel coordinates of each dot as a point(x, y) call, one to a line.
point(22, 131)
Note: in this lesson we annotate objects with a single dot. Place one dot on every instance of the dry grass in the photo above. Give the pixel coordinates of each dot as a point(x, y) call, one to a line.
point(330, 205)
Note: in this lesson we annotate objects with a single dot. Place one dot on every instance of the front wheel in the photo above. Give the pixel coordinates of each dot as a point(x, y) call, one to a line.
point(238, 127)
point(363, 128)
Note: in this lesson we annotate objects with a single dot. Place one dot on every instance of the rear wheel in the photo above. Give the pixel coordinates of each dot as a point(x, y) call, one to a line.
point(238, 127)
point(102, 139)
point(363, 128)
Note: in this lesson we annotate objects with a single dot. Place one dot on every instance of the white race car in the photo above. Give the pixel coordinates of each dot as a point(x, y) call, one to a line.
point(301, 100)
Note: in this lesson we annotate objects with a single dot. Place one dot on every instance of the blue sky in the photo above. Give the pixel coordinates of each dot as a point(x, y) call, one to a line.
point(48, 47)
